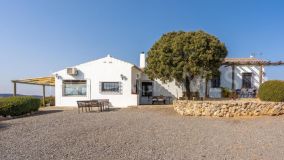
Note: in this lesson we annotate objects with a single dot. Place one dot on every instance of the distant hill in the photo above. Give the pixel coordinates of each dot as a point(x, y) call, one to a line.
point(9, 95)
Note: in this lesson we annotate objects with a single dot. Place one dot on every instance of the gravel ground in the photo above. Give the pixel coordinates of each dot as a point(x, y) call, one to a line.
point(140, 133)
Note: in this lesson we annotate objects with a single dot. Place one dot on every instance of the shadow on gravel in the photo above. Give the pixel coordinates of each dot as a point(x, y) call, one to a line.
point(3, 126)
point(107, 110)
point(39, 113)
point(112, 110)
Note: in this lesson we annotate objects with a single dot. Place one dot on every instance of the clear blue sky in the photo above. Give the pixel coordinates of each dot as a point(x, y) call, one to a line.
point(39, 37)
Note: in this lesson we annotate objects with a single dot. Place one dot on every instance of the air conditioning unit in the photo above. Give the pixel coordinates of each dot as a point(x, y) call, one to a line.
point(72, 71)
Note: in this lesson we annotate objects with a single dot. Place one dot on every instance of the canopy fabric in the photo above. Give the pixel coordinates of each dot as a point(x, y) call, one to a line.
point(46, 81)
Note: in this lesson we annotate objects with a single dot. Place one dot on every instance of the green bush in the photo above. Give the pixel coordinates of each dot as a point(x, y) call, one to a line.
point(272, 91)
point(225, 92)
point(16, 106)
point(48, 100)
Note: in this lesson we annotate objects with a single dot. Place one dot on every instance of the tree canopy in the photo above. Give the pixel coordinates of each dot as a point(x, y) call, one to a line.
point(181, 56)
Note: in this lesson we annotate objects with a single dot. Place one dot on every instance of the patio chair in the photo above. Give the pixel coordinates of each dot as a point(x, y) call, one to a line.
point(244, 93)
point(251, 93)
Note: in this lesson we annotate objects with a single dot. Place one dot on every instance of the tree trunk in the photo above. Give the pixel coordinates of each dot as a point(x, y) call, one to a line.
point(187, 87)
point(206, 88)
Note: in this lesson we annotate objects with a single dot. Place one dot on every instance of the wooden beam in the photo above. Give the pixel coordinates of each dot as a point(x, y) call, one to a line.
point(15, 89)
point(33, 83)
point(233, 77)
point(43, 95)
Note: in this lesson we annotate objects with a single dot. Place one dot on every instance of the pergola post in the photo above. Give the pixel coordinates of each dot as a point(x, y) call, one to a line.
point(43, 95)
point(15, 89)
point(260, 75)
point(233, 77)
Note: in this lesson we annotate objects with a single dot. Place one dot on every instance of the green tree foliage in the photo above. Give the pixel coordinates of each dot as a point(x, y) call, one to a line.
point(181, 56)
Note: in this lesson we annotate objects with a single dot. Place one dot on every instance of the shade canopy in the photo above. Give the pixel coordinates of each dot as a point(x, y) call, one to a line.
point(46, 81)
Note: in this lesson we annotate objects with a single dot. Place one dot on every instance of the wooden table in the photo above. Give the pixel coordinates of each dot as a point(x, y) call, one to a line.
point(89, 104)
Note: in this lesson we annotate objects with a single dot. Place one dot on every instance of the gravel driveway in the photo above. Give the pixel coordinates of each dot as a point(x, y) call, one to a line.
point(140, 133)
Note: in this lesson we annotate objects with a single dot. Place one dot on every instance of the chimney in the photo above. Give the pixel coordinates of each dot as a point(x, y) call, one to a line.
point(142, 60)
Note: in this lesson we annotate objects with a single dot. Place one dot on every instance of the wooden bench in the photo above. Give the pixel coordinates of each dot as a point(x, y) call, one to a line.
point(159, 99)
point(88, 105)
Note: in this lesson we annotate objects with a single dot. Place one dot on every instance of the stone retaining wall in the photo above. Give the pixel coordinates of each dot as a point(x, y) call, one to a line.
point(227, 108)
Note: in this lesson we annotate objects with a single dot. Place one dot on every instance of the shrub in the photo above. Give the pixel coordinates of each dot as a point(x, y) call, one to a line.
point(272, 91)
point(16, 106)
point(225, 92)
point(48, 100)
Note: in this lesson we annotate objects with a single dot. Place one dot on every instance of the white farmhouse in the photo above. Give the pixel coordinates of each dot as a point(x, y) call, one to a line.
point(125, 84)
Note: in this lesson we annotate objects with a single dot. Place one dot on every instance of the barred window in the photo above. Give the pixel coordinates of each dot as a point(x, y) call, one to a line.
point(110, 87)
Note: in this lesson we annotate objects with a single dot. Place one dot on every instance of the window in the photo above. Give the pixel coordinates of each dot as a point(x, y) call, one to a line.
point(247, 78)
point(215, 82)
point(74, 88)
point(110, 87)
point(147, 89)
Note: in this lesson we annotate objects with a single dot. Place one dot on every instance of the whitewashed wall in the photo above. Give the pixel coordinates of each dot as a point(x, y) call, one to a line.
point(107, 69)
point(198, 84)
point(226, 76)
point(170, 89)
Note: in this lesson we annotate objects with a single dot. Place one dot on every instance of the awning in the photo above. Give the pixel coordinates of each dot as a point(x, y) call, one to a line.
point(47, 81)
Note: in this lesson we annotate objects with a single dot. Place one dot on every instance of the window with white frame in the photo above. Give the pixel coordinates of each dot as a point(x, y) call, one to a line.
point(74, 87)
point(110, 87)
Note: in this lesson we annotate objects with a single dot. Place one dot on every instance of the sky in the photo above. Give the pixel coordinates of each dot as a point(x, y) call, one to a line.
point(39, 37)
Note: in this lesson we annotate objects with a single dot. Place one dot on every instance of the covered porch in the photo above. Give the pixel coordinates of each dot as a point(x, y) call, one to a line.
point(247, 90)
point(39, 81)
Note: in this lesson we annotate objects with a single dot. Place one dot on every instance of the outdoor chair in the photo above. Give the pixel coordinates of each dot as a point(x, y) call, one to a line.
point(244, 93)
point(251, 93)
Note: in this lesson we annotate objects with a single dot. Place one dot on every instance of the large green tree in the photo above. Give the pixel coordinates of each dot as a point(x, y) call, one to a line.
point(181, 56)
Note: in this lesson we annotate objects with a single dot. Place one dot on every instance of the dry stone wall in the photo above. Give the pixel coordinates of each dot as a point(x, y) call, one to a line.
point(228, 108)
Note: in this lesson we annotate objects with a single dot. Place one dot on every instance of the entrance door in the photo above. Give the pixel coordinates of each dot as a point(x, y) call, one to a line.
point(146, 92)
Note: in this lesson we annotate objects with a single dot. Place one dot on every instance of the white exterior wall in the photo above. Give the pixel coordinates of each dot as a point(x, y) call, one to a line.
point(226, 76)
point(107, 69)
point(198, 84)
point(169, 89)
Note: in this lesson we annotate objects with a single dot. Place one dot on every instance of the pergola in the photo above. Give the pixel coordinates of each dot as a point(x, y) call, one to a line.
point(233, 62)
point(41, 81)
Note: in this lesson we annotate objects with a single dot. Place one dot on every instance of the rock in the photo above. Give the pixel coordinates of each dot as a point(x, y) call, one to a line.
point(228, 108)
